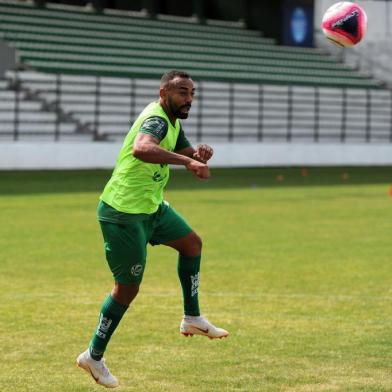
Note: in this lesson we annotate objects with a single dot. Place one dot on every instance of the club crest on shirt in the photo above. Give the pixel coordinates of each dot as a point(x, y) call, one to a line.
point(157, 177)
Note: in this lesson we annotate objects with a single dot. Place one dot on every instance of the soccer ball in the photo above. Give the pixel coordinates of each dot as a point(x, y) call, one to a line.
point(344, 23)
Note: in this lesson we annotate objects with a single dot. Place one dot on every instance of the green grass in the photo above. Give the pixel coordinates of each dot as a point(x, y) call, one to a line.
point(297, 269)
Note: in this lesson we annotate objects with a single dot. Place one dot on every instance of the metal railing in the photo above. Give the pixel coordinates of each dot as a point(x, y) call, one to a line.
point(98, 108)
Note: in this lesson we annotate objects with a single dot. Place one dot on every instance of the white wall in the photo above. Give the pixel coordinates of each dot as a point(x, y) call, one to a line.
point(28, 156)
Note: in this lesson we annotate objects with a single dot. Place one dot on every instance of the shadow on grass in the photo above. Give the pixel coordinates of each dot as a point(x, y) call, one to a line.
point(36, 182)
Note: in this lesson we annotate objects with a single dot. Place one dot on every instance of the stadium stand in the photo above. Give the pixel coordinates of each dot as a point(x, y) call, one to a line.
point(103, 107)
point(60, 40)
point(26, 115)
point(87, 76)
point(372, 56)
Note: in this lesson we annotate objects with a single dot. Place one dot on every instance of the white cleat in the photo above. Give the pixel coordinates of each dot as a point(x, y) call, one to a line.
point(198, 325)
point(98, 370)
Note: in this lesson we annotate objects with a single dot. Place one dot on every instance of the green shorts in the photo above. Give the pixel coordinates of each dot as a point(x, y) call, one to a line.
point(126, 237)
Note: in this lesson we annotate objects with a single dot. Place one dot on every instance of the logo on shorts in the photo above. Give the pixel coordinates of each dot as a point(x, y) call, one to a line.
point(136, 270)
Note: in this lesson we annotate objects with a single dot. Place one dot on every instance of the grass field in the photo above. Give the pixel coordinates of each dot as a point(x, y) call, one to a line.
point(297, 267)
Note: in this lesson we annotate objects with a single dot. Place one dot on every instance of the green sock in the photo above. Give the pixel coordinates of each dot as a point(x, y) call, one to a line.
point(109, 318)
point(189, 274)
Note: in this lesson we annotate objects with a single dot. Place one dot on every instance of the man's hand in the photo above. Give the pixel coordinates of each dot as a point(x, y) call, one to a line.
point(147, 149)
point(203, 153)
point(199, 169)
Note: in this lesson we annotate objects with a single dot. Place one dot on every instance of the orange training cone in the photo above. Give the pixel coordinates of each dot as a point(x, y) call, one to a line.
point(344, 176)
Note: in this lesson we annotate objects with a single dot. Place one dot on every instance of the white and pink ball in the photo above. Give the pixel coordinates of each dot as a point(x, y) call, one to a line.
point(344, 23)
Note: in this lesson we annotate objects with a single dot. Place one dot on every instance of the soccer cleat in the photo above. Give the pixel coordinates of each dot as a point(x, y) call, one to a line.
point(98, 370)
point(198, 325)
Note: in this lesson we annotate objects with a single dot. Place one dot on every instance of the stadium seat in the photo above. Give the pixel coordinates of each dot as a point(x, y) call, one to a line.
point(62, 40)
point(91, 81)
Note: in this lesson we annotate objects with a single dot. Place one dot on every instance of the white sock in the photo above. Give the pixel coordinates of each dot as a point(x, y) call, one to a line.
point(192, 318)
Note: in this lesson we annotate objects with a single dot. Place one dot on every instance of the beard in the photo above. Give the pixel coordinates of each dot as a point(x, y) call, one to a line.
point(181, 115)
point(177, 111)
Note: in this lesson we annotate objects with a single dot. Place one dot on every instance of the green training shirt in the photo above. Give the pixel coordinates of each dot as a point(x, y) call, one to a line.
point(136, 187)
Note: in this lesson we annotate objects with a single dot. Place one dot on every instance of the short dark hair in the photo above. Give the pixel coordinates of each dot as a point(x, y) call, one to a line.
point(168, 76)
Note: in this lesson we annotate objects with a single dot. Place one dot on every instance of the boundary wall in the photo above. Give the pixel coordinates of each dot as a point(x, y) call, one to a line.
point(54, 156)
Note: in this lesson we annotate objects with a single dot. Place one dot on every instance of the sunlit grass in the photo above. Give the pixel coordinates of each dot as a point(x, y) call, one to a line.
point(299, 271)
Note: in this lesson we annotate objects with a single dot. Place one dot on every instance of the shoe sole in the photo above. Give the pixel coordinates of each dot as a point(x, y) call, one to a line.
point(186, 334)
point(88, 370)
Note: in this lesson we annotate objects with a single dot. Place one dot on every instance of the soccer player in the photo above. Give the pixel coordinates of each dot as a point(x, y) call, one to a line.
point(132, 213)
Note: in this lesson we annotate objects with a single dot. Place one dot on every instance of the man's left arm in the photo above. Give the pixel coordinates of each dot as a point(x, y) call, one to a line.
point(202, 153)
